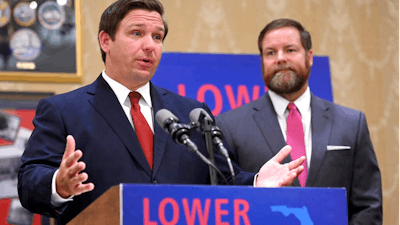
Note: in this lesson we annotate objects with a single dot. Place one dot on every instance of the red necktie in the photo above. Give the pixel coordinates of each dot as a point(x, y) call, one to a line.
point(295, 138)
point(143, 131)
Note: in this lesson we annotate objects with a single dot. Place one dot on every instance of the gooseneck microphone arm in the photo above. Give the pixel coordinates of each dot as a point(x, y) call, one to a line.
point(217, 138)
point(208, 162)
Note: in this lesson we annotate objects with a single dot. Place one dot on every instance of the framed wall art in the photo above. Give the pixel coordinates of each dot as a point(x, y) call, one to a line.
point(40, 41)
point(17, 110)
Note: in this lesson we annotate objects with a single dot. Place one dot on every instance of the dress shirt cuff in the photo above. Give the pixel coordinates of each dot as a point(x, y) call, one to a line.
point(56, 199)
point(255, 180)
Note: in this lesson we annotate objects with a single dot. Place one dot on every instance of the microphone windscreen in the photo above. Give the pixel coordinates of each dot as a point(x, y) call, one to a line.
point(163, 115)
point(195, 114)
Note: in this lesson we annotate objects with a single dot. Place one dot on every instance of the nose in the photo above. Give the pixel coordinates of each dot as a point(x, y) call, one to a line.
point(281, 57)
point(148, 44)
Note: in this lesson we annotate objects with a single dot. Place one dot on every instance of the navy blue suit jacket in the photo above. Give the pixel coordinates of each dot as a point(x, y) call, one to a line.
point(111, 151)
point(254, 134)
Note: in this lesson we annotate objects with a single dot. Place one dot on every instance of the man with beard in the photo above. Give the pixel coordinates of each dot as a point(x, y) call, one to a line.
point(334, 139)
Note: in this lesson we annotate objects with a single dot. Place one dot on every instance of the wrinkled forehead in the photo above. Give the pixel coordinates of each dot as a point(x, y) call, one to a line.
point(143, 17)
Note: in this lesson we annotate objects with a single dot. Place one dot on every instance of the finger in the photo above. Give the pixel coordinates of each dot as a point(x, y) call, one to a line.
point(75, 169)
point(296, 163)
point(282, 154)
point(77, 180)
point(73, 158)
point(299, 170)
point(70, 146)
point(82, 177)
point(76, 184)
point(289, 180)
point(82, 188)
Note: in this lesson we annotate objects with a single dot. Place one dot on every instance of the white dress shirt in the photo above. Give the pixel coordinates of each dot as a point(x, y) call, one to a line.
point(122, 94)
point(303, 104)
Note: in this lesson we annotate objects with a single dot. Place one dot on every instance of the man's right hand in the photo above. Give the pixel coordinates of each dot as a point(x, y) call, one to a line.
point(275, 174)
point(69, 180)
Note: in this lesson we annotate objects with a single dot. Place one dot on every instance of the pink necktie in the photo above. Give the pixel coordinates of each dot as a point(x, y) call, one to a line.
point(143, 131)
point(295, 138)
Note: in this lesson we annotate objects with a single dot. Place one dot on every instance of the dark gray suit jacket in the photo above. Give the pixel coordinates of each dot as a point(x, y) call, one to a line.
point(254, 134)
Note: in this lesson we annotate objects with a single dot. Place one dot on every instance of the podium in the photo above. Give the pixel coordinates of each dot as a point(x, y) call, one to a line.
point(206, 204)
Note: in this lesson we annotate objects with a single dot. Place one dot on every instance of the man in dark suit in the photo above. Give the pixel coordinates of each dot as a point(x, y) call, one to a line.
point(335, 139)
point(90, 139)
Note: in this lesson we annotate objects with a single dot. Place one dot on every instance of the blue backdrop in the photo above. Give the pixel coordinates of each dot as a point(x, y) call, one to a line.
point(227, 81)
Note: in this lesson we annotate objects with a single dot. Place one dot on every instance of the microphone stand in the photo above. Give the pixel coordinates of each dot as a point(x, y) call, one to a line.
point(206, 127)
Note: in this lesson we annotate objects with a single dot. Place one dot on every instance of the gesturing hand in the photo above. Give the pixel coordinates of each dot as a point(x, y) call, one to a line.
point(275, 174)
point(69, 180)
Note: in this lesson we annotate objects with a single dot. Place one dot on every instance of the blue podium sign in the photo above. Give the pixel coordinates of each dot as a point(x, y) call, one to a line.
point(188, 204)
point(227, 81)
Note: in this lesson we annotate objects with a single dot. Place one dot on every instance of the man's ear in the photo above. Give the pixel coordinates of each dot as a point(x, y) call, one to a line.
point(310, 56)
point(105, 41)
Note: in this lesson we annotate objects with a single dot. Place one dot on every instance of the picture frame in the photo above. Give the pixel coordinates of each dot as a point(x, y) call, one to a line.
point(17, 110)
point(42, 42)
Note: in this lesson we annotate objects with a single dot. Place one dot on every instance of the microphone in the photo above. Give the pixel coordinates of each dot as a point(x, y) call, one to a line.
point(180, 134)
point(200, 116)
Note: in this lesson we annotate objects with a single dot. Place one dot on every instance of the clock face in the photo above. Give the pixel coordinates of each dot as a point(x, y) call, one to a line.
point(25, 44)
point(24, 15)
point(5, 13)
point(51, 15)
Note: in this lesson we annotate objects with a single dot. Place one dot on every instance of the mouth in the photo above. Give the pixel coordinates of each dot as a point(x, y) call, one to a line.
point(284, 68)
point(146, 60)
point(145, 63)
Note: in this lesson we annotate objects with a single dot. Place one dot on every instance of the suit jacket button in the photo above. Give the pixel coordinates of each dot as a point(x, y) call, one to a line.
point(155, 182)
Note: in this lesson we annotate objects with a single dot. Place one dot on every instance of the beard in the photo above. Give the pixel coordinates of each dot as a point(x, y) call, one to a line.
point(286, 79)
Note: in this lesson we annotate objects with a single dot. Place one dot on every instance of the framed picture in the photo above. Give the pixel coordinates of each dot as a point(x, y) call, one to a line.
point(17, 110)
point(40, 41)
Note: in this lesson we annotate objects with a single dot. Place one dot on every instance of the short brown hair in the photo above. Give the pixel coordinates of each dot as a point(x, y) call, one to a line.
point(116, 12)
point(305, 37)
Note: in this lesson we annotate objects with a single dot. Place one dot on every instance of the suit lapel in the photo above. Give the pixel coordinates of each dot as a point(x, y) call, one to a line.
point(265, 118)
point(160, 100)
point(106, 103)
point(321, 125)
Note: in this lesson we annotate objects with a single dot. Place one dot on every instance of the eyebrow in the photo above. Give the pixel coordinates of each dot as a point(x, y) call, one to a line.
point(286, 46)
point(143, 25)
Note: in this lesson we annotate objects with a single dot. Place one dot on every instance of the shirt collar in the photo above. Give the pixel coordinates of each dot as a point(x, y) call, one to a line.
point(303, 103)
point(122, 92)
